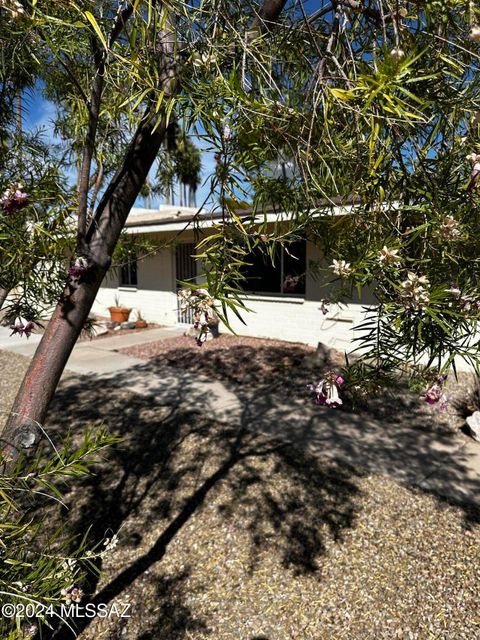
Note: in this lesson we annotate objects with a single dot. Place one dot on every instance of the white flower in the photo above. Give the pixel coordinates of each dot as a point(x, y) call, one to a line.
point(450, 228)
point(110, 543)
point(227, 133)
point(454, 291)
point(389, 256)
point(326, 391)
point(341, 268)
point(414, 294)
point(475, 33)
point(397, 54)
point(203, 60)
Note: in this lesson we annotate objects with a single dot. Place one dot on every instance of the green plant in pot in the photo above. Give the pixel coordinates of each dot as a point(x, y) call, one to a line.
point(118, 313)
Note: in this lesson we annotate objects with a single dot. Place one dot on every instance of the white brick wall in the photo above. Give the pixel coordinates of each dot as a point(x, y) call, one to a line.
point(292, 319)
point(298, 320)
point(154, 295)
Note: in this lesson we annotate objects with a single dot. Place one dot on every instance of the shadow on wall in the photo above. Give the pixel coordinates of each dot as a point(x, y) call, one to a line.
point(173, 465)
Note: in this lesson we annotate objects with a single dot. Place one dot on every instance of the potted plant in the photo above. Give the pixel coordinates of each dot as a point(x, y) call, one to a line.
point(118, 313)
point(140, 322)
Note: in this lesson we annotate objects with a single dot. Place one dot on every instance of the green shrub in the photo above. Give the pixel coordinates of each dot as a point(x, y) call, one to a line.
point(42, 566)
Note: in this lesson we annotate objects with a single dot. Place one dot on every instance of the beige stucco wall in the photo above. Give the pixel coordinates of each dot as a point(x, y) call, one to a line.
point(154, 295)
point(292, 319)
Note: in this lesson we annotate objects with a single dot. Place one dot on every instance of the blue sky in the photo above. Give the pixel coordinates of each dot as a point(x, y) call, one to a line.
point(39, 115)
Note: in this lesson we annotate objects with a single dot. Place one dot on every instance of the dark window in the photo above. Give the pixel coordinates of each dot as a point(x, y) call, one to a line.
point(285, 274)
point(186, 271)
point(185, 263)
point(128, 274)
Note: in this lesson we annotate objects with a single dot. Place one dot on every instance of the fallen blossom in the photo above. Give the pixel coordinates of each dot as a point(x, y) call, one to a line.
point(435, 394)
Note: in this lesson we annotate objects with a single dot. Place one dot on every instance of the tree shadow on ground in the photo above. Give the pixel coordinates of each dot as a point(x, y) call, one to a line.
point(287, 368)
point(172, 464)
point(397, 434)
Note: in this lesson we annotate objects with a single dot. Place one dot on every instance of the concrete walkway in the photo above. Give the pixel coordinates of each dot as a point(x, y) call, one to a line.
point(96, 357)
point(403, 445)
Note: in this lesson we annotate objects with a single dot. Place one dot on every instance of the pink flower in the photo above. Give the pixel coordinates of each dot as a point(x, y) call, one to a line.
point(14, 199)
point(326, 391)
point(78, 270)
point(435, 394)
point(444, 402)
point(72, 594)
point(22, 327)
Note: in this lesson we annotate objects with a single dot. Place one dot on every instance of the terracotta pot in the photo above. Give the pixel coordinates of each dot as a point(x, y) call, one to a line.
point(141, 324)
point(119, 314)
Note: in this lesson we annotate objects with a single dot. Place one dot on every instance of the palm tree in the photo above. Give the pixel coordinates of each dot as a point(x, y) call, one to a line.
point(188, 165)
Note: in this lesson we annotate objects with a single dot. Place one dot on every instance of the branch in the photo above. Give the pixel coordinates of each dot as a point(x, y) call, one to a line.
point(94, 114)
point(268, 14)
point(373, 14)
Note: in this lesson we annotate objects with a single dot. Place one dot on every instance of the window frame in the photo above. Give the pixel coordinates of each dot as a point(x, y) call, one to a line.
point(128, 276)
point(281, 271)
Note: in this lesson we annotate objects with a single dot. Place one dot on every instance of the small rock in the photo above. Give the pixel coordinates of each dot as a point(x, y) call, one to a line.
point(127, 325)
point(473, 423)
point(99, 330)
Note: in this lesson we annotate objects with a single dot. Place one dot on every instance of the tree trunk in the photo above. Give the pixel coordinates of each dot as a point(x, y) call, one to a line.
point(3, 296)
point(22, 432)
point(192, 200)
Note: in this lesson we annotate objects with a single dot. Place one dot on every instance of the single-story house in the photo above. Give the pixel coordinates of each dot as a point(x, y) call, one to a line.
point(285, 302)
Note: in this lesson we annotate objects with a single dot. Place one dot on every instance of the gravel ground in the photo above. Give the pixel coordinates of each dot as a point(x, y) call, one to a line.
point(235, 536)
point(240, 360)
point(12, 368)
point(285, 368)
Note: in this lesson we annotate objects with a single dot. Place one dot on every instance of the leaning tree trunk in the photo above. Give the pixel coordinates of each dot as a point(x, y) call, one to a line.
point(3, 296)
point(22, 431)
